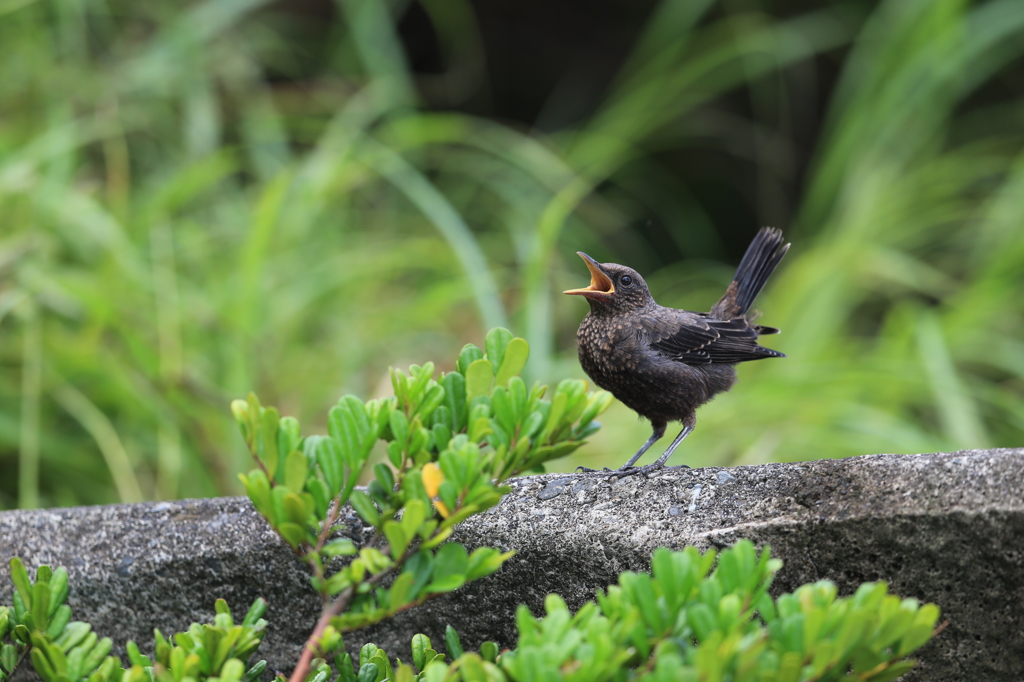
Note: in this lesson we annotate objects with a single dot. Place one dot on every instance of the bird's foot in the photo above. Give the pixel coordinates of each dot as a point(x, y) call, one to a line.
point(647, 469)
point(593, 471)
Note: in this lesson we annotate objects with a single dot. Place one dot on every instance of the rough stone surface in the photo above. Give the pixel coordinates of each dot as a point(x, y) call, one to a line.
point(947, 528)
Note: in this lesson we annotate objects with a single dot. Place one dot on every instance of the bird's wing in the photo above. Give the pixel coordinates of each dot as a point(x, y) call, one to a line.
point(695, 339)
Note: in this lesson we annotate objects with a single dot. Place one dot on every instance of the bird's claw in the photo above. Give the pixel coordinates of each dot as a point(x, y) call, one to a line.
point(592, 471)
point(649, 468)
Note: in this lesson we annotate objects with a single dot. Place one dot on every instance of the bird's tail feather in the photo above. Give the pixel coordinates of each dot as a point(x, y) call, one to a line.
point(762, 257)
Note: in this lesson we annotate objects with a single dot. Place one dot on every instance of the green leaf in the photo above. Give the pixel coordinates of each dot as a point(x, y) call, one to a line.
point(422, 376)
point(255, 612)
point(454, 385)
point(75, 659)
point(442, 435)
point(394, 451)
point(58, 621)
point(288, 435)
point(397, 539)
point(431, 401)
point(489, 651)
point(73, 635)
point(895, 627)
point(58, 589)
point(451, 641)
point(365, 508)
point(374, 559)
point(504, 409)
point(43, 666)
point(268, 441)
point(296, 468)
point(413, 516)
point(420, 644)
point(367, 673)
point(405, 674)
point(790, 667)
point(9, 657)
point(384, 670)
point(329, 457)
point(399, 384)
point(399, 426)
point(555, 414)
point(366, 653)
point(437, 671)
point(384, 476)
point(479, 429)
point(232, 670)
point(400, 592)
point(596, 405)
point(479, 377)
point(484, 561)
point(40, 604)
point(296, 510)
point(96, 655)
point(921, 631)
point(135, 656)
point(702, 620)
point(441, 535)
point(448, 583)
point(516, 354)
point(346, 673)
point(420, 439)
point(421, 565)
point(293, 533)
point(321, 496)
point(336, 583)
point(19, 576)
point(339, 547)
point(467, 356)
point(495, 343)
point(257, 487)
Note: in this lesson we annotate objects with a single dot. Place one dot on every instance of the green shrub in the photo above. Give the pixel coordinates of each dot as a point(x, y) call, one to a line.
point(451, 442)
point(683, 622)
point(39, 625)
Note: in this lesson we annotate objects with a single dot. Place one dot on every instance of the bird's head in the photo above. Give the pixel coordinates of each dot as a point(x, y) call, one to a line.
point(613, 288)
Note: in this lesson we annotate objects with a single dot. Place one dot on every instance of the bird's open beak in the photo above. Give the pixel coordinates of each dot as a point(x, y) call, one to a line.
point(601, 286)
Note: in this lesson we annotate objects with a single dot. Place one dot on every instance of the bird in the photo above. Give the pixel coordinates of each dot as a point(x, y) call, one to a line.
point(664, 363)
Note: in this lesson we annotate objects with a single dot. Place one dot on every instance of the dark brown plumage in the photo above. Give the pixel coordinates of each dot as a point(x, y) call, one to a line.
point(664, 363)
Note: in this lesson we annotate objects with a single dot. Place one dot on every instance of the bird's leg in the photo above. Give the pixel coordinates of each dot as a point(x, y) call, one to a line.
point(660, 463)
point(687, 429)
point(659, 431)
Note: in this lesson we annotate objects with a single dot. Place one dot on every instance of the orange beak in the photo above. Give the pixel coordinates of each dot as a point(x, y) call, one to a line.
point(601, 286)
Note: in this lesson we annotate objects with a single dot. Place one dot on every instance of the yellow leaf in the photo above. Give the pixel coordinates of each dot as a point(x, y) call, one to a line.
point(432, 478)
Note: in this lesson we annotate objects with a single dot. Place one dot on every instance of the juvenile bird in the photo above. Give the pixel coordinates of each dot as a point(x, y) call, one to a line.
point(664, 363)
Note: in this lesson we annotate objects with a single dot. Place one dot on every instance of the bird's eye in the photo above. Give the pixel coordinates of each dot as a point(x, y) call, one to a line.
point(626, 280)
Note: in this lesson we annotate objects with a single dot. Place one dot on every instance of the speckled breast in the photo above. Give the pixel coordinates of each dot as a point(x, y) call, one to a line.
point(646, 381)
point(611, 355)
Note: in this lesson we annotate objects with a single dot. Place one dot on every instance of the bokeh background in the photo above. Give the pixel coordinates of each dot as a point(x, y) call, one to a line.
point(198, 199)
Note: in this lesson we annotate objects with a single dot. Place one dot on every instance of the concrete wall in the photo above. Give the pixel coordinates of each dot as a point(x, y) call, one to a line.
point(947, 528)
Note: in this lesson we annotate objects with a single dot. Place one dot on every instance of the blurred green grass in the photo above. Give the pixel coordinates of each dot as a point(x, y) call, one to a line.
point(188, 214)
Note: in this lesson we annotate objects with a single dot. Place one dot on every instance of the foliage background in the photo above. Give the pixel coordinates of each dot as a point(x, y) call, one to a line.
point(198, 199)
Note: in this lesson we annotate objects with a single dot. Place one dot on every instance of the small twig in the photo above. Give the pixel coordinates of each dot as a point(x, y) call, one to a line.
point(325, 532)
point(331, 610)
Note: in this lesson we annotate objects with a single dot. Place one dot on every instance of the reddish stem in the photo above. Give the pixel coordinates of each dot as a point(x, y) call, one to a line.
point(330, 610)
